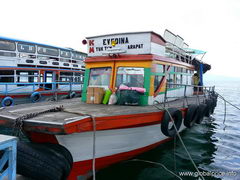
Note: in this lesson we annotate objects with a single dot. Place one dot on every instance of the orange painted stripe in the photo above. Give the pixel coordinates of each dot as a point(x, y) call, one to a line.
point(149, 57)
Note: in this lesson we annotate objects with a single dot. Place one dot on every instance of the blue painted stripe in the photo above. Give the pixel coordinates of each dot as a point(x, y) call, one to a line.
point(35, 43)
point(40, 68)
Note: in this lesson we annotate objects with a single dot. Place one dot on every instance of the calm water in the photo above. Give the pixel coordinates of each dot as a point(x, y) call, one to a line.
point(214, 147)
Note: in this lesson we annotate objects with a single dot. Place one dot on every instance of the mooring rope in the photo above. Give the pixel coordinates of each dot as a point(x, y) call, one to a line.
point(227, 101)
point(185, 148)
point(156, 163)
point(225, 106)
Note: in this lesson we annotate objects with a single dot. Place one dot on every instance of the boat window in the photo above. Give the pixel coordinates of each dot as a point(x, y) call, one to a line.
point(130, 76)
point(65, 53)
point(43, 62)
point(49, 77)
point(172, 69)
point(78, 77)
point(170, 80)
point(66, 77)
point(159, 68)
point(100, 76)
point(28, 48)
point(178, 69)
point(157, 81)
point(178, 79)
point(23, 77)
point(159, 71)
point(9, 54)
point(24, 55)
point(55, 63)
point(7, 45)
point(27, 76)
point(185, 79)
point(29, 61)
point(48, 51)
point(77, 55)
point(6, 76)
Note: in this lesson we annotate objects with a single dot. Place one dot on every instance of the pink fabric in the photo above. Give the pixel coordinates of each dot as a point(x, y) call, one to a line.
point(138, 89)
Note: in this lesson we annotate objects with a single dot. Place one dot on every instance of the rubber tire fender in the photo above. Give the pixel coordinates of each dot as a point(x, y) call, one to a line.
point(71, 95)
point(38, 164)
point(7, 98)
point(35, 97)
point(214, 99)
point(177, 117)
point(65, 158)
point(191, 115)
point(202, 109)
point(209, 108)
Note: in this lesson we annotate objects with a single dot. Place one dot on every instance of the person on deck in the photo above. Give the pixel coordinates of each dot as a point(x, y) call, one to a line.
point(195, 79)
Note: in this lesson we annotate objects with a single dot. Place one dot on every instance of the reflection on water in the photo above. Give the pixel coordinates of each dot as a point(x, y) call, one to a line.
point(214, 147)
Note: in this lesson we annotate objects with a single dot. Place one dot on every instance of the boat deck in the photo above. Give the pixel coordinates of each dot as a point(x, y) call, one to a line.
point(75, 110)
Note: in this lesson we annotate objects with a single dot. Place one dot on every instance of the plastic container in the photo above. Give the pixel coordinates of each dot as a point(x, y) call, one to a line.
point(106, 96)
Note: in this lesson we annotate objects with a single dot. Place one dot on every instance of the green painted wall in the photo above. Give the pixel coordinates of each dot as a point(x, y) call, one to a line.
point(85, 85)
point(147, 77)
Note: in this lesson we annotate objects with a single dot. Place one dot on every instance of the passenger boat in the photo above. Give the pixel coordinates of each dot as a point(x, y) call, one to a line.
point(151, 77)
point(30, 72)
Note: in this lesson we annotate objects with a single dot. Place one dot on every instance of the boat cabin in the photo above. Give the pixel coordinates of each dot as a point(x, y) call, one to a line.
point(141, 61)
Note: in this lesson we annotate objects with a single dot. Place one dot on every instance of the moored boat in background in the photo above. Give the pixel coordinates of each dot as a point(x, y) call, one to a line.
point(30, 72)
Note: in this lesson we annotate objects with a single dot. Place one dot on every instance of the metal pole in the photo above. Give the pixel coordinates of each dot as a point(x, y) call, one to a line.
point(165, 96)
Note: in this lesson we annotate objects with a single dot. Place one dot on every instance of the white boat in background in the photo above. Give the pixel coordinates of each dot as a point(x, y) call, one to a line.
point(31, 72)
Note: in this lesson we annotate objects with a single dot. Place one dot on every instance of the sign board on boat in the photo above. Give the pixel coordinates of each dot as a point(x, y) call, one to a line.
point(127, 43)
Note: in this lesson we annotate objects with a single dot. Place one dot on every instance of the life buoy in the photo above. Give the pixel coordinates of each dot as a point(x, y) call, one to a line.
point(7, 101)
point(71, 95)
point(35, 97)
point(191, 116)
point(202, 109)
point(176, 114)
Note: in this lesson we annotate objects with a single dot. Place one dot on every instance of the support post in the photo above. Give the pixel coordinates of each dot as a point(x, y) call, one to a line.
point(8, 144)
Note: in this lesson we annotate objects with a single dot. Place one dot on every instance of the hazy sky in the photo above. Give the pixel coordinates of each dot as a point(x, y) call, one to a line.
point(210, 25)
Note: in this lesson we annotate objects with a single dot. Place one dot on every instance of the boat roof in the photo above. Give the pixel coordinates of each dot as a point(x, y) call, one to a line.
point(139, 32)
point(35, 43)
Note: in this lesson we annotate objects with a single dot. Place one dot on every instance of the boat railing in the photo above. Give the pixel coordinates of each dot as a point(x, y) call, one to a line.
point(186, 92)
point(43, 87)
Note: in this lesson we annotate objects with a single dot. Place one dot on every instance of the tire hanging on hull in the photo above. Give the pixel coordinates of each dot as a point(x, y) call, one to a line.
point(7, 101)
point(202, 109)
point(191, 116)
point(176, 114)
point(43, 161)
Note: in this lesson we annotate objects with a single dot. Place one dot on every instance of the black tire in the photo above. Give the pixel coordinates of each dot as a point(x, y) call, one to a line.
point(214, 100)
point(202, 109)
point(38, 162)
point(62, 150)
point(177, 117)
point(35, 97)
point(65, 159)
point(71, 95)
point(209, 107)
point(191, 116)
